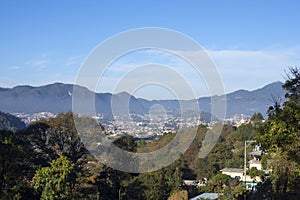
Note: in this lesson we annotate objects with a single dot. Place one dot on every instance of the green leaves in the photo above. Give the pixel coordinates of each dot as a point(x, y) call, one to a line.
point(126, 143)
point(55, 181)
point(14, 165)
point(280, 136)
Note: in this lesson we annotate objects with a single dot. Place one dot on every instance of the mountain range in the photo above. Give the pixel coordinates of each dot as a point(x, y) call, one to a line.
point(57, 97)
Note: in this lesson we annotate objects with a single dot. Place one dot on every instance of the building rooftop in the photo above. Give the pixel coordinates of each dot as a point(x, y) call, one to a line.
point(206, 196)
point(255, 153)
point(232, 170)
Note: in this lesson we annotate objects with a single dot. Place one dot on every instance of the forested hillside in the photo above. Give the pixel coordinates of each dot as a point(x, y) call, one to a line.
point(10, 122)
point(51, 161)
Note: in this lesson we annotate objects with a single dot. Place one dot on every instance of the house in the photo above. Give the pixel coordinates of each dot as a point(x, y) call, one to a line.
point(255, 163)
point(197, 183)
point(190, 182)
point(233, 172)
point(239, 174)
point(256, 158)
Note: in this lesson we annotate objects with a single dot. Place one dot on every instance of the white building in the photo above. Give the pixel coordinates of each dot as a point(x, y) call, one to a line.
point(256, 158)
point(255, 163)
point(239, 174)
point(233, 172)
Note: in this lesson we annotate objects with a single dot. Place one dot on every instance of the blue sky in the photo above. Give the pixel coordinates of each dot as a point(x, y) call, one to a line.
point(251, 42)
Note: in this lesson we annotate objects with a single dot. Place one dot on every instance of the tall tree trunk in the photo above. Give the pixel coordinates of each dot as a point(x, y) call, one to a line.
point(285, 182)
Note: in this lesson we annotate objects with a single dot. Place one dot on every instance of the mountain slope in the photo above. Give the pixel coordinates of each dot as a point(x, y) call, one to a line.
point(245, 102)
point(57, 97)
point(10, 123)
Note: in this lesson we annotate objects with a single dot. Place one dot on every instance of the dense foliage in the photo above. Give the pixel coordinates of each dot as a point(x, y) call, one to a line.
point(280, 138)
point(55, 181)
point(52, 163)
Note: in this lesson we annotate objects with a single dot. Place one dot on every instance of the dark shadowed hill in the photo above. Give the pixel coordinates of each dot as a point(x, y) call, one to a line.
point(57, 98)
point(10, 123)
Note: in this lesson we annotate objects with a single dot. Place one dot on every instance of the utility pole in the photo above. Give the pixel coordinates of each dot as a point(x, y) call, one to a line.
point(98, 192)
point(245, 162)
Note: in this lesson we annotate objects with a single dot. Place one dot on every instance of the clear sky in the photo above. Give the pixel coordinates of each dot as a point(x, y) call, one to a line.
point(251, 42)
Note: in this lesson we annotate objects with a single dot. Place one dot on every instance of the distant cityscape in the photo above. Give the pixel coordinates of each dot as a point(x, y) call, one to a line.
point(143, 126)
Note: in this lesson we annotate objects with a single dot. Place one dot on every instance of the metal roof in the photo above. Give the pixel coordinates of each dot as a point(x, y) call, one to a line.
point(255, 153)
point(232, 170)
point(206, 196)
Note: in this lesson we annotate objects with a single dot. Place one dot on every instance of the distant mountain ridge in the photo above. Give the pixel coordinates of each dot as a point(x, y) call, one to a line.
point(249, 102)
point(57, 97)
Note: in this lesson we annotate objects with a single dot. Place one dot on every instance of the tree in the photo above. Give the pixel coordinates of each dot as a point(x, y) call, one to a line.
point(155, 185)
point(280, 136)
point(292, 85)
point(223, 184)
point(15, 169)
point(218, 183)
point(39, 136)
point(55, 181)
point(253, 172)
point(257, 118)
point(182, 195)
point(97, 181)
point(126, 143)
point(64, 137)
